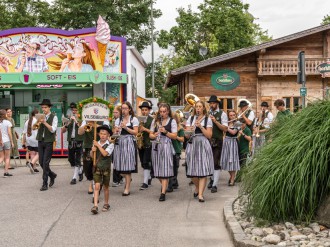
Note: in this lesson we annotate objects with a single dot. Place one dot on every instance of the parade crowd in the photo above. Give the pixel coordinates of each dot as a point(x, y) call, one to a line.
point(213, 140)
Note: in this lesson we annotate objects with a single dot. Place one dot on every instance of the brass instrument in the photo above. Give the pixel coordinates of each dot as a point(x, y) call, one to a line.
point(191, 100)
point(249, 108)
point(39, 118)
point(88, 127)
point(157, 141)
point(115, 137)
point(65, 121)
point(139, 136)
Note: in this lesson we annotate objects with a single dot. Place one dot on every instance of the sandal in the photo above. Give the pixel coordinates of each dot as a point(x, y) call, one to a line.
point(106, 207)
point(94, 210)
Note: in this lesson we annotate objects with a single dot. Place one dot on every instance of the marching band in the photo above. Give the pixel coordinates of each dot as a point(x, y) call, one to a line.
point(215, 140)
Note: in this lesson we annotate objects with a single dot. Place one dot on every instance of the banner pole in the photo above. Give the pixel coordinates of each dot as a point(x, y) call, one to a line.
point(94, 153)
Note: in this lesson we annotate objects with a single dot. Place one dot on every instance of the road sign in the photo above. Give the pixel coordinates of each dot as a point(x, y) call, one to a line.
point(303, 91)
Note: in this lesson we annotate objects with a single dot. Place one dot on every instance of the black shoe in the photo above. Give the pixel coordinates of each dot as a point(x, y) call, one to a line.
point(73, 181)
point(35, 170)
point(214, 189)
point(144, 186)
point(6, 175)
point(81, 177)
point(125, 194)
point(162, 197)
point(201, 200)
point(52, 180)
point(44, 187)
point(94, 210)
point(169, 189)
point(195, 194)
point(209, 186)
point(149, 181)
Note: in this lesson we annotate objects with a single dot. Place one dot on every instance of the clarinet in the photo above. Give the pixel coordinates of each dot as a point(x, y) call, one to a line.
point(194, 129)
point(120, 121)
point(158, 137)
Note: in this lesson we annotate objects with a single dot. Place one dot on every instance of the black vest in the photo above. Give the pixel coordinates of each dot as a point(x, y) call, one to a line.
point(48, 136)
point(70, 129)
point(167, 127)
point(198, 130)
point(125, 132)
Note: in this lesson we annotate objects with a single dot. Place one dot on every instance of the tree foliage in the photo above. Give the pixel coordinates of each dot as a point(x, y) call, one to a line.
point(326, 20)
point(220, 26)
point(128, 18)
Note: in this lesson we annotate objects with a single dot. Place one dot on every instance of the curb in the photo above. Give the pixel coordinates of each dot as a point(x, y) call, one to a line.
point(234, 228)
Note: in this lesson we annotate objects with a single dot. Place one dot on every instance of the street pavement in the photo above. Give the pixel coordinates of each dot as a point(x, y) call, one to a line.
point(61, 216)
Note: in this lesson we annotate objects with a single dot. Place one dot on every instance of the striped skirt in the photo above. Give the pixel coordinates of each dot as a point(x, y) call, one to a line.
point(230, 154)
point(124, 154)
point(199, 157)
point(257, 143)
point(162, 159)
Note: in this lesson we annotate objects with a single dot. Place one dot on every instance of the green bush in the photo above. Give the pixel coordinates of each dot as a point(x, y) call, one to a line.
point(290, 176)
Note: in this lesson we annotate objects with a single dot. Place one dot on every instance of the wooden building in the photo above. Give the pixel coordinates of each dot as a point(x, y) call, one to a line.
point(264, 72)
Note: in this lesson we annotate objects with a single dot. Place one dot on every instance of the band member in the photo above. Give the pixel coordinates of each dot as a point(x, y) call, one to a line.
point(46, 137)
point(262, 124)
point(14, 150)
point(177, 145)
point(145, 150)
point(244, 139)
point(6, 142)
point(163, 129)
point(86, 130)
point(75, 144)
point(199, 155)
point(230, 153)
point(282, 111)
point(248, 116)
point(30, 142)
point(117, 179)
point(220, 125)
point(125, 153)
point(101, 176)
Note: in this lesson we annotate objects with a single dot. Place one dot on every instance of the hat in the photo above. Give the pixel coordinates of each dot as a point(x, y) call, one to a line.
point(104, 127)
point(145, 104)
point(213, 98)
point(46, 102)
point(265, 104)
point(243, 103)
point(73, 105)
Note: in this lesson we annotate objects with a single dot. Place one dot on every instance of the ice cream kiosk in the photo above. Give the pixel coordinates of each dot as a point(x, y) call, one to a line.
point(63, 66)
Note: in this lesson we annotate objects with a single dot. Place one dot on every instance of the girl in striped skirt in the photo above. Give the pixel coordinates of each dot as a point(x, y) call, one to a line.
point(163, 129)
point(125, 153)
point(199, 155)
point(230, 153)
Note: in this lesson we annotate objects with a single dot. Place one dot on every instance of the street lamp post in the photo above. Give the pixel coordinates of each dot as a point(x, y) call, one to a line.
point(152, 52)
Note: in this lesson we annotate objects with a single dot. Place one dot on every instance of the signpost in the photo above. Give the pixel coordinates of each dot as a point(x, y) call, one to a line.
point(301, 77)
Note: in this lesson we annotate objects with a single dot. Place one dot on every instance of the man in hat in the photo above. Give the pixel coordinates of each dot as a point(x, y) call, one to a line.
point(29, 60)
point(75, 142)
point(46, 137)
point(248, 116)
point(220, 124)
point(145, 151)
point(69, 112)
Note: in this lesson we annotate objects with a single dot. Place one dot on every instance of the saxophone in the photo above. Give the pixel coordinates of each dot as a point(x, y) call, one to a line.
point(139, 136)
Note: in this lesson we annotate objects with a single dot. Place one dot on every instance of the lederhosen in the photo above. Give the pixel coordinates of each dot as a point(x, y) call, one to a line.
point(145, 152)
point(199, 156)
point(162, 157)
point(216, 141)
point(103, 164)
point(87, 159)
point(125, 152)
point(45, 149)
point(74, 145)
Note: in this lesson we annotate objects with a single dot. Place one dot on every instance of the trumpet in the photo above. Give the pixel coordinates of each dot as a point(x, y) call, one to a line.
point(39, 118)
point(88, 127)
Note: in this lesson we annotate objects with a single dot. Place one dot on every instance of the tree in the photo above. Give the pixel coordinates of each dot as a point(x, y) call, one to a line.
point(128, 18)
point(220, 26)
point(326, 20)
point(23, 13)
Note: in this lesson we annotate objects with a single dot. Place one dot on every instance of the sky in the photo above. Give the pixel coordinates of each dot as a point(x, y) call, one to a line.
point(279, 17)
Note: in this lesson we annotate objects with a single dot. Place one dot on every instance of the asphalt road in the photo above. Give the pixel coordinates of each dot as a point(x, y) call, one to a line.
point(61, 216)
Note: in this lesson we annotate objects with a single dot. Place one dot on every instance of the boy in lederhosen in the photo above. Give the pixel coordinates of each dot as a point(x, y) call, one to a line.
point(145, 151)
point(220, 124)
point(101, 174)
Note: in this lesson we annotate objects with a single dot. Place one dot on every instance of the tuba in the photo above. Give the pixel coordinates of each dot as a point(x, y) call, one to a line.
point(191, 100)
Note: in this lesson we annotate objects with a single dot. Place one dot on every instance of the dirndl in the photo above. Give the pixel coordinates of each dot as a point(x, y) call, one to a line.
point(257, 143)
point(199, 157)
point(162, 159)
point(125, 155)
point(230, 154)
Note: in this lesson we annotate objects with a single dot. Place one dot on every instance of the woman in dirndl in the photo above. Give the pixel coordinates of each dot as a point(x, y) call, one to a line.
point(230, 153)
point(163, 130)
point(199, 155)
point(125, 152)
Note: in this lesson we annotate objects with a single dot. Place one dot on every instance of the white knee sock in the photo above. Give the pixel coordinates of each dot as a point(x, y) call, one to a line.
point(80, 169)
point(93, 188)
point(216, 177)
point(146, 175)
point(76, 172)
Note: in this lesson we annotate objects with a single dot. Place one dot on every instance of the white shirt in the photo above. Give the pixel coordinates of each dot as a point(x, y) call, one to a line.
point(31, 140)
point(174, 126)
point(270, 116)
point(54, 124)
point(134, 120)
point(209, 122)
point(224, 117)
point(109, 148)
point(251, 115)
point(5, 128)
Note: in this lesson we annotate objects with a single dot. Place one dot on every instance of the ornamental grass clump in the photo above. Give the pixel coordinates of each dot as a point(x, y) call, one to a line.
point(290, 176)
